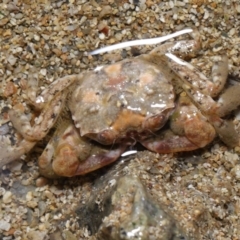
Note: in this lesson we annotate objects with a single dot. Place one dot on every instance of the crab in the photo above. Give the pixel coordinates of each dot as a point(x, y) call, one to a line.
point(98, 114)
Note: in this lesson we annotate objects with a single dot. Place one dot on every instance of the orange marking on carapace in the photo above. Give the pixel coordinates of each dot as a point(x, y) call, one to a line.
point(114, 74)
point(127, 119)
point(113, 81)
point(90, 96)
point(146, 78)
point(113, 69)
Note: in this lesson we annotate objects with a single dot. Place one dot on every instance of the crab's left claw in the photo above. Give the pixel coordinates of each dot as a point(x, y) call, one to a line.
point(190, 130)
point(68, 154)
point(168, 142)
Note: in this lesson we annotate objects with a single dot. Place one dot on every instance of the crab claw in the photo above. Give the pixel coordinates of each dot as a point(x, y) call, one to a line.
point(68, 154)
point(190, 130)
point(168, 142)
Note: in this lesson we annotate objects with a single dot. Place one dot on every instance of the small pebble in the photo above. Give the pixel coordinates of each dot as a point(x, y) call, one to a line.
point(7, 197)
point(236, 171)
point(29, 196)
point(2, 191)
point(42, 181)
point(36, 235)
point(5, 226)
point(32, 204)
point(12, 60)
point(43, 72)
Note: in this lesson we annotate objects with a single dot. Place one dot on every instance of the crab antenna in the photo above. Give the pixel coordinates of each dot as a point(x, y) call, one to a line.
point(148, 41)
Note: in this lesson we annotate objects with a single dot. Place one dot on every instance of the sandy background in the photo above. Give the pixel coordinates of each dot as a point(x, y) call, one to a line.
point(147, 196)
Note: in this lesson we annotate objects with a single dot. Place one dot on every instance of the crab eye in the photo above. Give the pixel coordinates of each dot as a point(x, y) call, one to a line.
point(106, 137)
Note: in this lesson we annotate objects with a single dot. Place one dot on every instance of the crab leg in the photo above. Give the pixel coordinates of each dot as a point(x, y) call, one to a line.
point(190, 76)
point(229, 100)
point(68, 154)
point(10, 153)
point(59, 86)
point(51, 102)
point(195, 89)
point(51, 91)
point(43, 122)
point(181, 48)
point(29, 134)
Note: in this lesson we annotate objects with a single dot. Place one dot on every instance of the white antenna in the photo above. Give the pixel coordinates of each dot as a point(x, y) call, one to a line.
point(148, 41)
